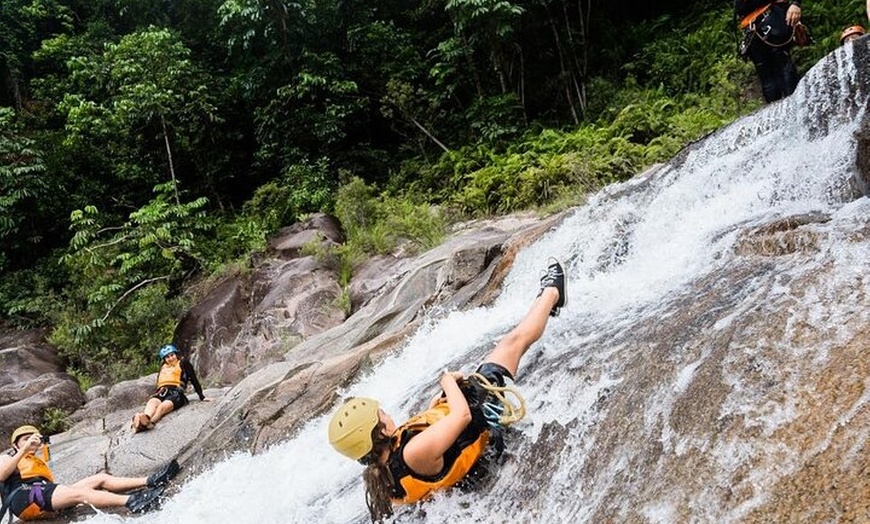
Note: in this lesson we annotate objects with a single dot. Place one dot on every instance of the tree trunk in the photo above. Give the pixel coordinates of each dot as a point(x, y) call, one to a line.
point(581, 64)
point(522, 84)
point(279, 11)
point(14, 87)
point(564, 74)
point(469, 58)
point(169, 157)
point(427, 133)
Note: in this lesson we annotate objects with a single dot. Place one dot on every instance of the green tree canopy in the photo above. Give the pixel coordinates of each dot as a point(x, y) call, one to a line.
point(142, 104)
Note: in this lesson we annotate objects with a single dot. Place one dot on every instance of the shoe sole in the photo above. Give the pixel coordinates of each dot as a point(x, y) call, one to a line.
point(564, 295)
point(167, 474)
point(149, 503)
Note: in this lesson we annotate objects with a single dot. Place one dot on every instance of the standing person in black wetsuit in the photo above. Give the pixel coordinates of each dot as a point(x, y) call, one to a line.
point(772, 25)
point(172, 381)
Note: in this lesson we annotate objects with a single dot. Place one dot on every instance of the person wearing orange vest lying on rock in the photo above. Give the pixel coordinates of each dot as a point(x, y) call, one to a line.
point(443, 446)
point(30, 493)
point(172, 380)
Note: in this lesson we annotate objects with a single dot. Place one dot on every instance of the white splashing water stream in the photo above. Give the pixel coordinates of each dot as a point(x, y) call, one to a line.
point(625, 251)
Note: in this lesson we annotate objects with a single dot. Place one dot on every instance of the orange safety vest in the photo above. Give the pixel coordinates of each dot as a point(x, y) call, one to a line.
point(417, 489)
point(31, 467)
point(170, 376)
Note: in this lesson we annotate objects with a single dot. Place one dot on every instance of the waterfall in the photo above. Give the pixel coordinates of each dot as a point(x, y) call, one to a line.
point(680, 383)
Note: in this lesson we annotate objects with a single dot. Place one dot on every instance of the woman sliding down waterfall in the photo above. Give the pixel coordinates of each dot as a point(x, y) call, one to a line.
point(437, 448)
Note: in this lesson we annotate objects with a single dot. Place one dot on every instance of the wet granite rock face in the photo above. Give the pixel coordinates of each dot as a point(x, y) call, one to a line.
point(782, 237)
point(250, 320)
point(126, 395)
point(742, 399)
point(212, 322)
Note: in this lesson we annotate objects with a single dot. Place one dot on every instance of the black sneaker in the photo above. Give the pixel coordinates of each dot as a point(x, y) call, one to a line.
point(555, 277)
point(162, 476)
point(144, 499)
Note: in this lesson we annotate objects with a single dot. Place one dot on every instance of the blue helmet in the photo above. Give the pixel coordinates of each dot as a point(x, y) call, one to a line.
point(168, 349)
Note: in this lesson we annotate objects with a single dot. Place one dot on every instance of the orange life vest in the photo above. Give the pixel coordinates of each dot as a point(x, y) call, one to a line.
point(417, 489)
point(170, 375)
point(34, 512)
point(31, 467)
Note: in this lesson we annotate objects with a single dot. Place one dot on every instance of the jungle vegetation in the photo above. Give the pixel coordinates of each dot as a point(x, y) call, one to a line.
point(147, 145)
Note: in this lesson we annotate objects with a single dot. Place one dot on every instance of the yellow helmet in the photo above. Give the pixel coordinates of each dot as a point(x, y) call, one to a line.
point(350, 430)
point(23, 430)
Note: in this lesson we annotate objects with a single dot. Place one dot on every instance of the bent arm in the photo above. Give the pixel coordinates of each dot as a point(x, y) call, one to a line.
point(424, 454)
point(191, 374)
point(9, 463)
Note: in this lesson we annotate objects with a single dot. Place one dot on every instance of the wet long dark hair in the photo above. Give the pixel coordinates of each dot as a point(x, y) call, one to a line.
point(377, 477)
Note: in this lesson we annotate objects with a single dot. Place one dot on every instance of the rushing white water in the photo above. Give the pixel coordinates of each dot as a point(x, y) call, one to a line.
point(627, 251)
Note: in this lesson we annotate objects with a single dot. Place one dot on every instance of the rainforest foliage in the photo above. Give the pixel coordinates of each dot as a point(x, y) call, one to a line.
point(149, 144)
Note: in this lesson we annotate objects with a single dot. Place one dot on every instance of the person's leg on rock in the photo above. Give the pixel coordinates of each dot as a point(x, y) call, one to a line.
point(157, 409)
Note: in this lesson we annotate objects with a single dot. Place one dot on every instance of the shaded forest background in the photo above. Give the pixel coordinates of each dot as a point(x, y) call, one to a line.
point(149, 147)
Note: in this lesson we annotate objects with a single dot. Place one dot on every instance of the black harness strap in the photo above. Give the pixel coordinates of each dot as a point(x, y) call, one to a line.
point(7, 501)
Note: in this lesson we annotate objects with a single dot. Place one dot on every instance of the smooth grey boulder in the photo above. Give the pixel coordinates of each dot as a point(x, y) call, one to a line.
point(108, 444)
point(32, 381)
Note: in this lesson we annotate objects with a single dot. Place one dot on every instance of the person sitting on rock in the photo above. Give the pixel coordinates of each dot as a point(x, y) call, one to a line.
point(29, 490)
point(172, 381)
point(438, 448)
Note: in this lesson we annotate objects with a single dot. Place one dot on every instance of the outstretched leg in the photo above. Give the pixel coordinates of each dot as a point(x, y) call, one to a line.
point(104, 481)
point(101, 490)
point(511, 348)
point(69, 496)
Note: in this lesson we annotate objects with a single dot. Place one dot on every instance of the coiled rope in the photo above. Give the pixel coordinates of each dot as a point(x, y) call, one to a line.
point(510, 412)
